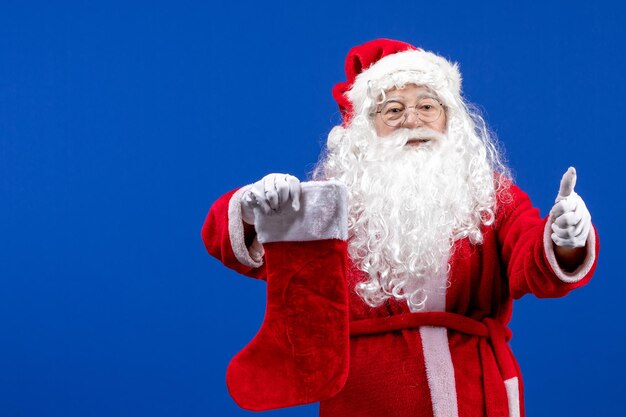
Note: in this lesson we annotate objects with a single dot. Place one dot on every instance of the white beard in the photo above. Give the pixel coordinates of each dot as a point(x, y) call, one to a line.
point(408, 204)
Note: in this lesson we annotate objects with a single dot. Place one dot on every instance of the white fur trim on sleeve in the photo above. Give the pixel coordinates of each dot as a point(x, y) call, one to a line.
point(582, 270)
point(253, 256)
point(323, 215)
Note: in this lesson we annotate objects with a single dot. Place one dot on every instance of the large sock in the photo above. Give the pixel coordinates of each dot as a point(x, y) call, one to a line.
point(300, 355)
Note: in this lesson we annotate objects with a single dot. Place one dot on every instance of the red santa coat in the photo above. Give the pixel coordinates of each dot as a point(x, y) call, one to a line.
point(453, 360)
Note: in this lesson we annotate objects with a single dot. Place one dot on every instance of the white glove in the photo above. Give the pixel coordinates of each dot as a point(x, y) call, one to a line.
point(269, 194)
point(571, 219)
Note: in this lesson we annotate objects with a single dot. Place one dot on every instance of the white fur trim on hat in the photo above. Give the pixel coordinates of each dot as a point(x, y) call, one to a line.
point(413, 66)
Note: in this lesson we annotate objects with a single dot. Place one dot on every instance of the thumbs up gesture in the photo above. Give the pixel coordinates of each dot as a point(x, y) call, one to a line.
point(570, 217)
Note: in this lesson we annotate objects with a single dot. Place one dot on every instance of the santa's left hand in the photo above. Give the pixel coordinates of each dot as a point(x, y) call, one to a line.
point(570, 217)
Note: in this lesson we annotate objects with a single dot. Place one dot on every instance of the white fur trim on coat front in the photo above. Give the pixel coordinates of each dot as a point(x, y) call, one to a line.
point(417, 66)
point(436, 348)
point(512, 395)
point(323, 215)
point(583, 269)
point(439, 371)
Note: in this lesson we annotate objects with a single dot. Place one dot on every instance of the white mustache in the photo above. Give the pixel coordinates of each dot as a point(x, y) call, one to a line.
point(403, 136)
point(421, 133)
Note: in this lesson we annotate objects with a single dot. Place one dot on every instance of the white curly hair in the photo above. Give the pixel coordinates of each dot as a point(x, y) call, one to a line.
point(408, 206)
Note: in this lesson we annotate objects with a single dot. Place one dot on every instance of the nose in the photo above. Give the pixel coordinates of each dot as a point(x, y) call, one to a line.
point(411, 118)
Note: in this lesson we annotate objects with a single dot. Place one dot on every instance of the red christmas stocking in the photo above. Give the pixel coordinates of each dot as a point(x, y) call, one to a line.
point(300, 354)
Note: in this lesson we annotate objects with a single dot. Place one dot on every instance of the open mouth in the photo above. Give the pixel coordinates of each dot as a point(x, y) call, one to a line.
point(417, 141)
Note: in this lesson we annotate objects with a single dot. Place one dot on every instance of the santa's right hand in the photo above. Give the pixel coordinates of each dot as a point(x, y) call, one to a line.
point(269, 194)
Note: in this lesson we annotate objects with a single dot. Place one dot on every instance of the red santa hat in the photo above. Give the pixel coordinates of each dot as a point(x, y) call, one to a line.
point(381, 64)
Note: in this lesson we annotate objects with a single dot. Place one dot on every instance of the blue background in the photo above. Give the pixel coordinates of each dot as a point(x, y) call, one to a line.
point(121, 123)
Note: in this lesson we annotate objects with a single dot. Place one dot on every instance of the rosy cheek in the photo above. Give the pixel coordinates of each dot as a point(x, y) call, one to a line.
point(381, 129)
point(439, 126)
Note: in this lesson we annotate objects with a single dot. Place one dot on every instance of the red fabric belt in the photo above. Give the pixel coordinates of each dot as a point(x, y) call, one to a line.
point(452, 321)
point(495, 356)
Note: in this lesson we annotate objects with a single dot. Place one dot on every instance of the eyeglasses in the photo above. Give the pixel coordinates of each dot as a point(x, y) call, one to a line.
point(394, 113)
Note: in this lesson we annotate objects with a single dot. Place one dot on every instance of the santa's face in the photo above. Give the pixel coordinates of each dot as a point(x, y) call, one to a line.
point(408, 97)
point(410, 201)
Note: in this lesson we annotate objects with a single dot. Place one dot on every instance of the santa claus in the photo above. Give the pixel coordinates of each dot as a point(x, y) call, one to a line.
point(391, 276)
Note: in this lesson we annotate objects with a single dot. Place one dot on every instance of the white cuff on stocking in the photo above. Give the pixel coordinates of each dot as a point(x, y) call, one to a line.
point(323, 215)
